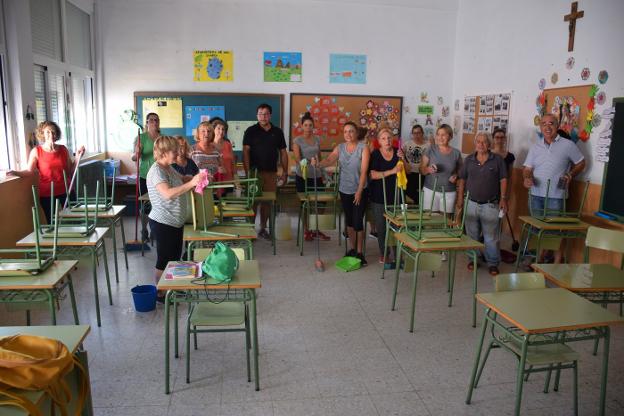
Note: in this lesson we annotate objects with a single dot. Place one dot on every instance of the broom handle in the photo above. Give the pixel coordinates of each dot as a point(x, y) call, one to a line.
point(510, 227)
point(71, 183)
point(136, 190)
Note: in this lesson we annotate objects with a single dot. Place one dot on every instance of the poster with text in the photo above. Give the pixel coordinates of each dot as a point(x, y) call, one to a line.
point(213, 66)
point(236, 131)
point(195, 114)
point(347, 69)
point(282, 67)
point(169, 110)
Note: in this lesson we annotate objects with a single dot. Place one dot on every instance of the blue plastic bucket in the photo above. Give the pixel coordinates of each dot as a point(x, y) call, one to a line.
point(144, 297)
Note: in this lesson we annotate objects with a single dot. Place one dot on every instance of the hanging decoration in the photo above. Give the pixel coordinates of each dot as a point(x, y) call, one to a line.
point(601, 98)
point(603, 76)
point(542, 84)
point(584, 135)
point(570, 62)
point(554, 78)
point(585, 73)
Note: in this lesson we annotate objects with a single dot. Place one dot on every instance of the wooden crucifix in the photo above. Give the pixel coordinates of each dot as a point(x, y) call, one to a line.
point(574, 14)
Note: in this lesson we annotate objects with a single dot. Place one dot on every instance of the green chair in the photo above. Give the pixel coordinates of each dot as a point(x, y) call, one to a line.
point(539, 357)
point(228, 314)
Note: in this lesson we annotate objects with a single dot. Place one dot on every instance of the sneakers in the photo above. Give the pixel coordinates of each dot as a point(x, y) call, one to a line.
point(382, 260)
point(471, 266)
point(319, 234)
point(263, 233)
point(494, 270)
point(444, 256)
point(307, 236)
point(373, 234)
point(363, 261)
point(352, 253)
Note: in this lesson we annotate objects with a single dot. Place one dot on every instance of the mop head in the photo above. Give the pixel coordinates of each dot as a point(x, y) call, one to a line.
point(348, 264)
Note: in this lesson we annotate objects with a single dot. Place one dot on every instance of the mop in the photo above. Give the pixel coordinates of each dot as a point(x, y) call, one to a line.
point(73, 179)
point(136, 244)
point(318, 264)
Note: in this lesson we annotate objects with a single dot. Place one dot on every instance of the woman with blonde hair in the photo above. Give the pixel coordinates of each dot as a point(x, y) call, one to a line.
point(50, 160)
point(167, 191)
point(204, 152)
point(184, 165)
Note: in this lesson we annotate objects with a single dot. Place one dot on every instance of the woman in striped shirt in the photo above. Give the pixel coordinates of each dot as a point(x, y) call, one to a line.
point(205, 153)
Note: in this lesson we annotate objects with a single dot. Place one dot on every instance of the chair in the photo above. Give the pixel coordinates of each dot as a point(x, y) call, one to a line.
point(605, 239)
point(539, 357)
point(228, 314)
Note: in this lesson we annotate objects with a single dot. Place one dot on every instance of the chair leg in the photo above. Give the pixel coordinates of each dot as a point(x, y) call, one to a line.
point(526, 378)
point(547, 381)
point(195, 337)
point(520, 379)
point(557, 377)
point(485, 357)
point(596, 342)
point(188, 348)
point(28, 318)
point(575, 386)
point(247, 344)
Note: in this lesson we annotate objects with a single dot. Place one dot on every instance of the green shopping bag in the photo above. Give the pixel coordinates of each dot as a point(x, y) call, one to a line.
point(221, 264)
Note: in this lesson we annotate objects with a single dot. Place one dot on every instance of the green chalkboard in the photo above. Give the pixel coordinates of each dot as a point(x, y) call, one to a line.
point(611, 201)
point(237, 107)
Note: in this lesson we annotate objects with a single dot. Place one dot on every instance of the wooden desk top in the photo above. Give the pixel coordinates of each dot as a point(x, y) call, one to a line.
point(114, 212)
point(244, 233)
point(92, 240)
point(267, 196)
point(70, 335)
point(247, 277)
point(46, 280)
point(466, 243)
point(323, 197)
point(562, 226)
point(547, 310)
point(584, 277)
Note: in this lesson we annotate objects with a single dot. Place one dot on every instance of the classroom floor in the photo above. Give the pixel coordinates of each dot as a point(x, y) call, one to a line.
point(329, 345)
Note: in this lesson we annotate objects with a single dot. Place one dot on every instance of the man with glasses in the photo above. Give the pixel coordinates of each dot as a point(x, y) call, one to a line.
point(554, 158)
point(263, 143)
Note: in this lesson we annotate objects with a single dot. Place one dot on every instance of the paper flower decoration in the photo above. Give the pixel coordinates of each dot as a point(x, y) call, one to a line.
point(585, 73)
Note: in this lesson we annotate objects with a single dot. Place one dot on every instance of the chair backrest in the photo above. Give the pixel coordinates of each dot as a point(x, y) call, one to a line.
point(604, 239)
point(519, 281)
point(200, 254)
point(546, 212)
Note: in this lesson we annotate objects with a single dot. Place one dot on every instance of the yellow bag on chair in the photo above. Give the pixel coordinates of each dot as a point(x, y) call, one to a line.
point(31, 362)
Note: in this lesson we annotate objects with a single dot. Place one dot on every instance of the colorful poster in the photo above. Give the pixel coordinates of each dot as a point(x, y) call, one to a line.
point(236, 130)
point(169, 110)
point(195, 114)
point(425, 109)
point(282, 67)
point(347, 69)
point(213, 66)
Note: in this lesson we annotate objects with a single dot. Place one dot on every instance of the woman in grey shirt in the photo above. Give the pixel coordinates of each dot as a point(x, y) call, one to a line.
point(441, 162)
point(353, 157)
point(167, 192)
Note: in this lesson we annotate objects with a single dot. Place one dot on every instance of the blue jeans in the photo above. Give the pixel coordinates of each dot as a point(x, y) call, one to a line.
point(536, 205)
point(482, 219)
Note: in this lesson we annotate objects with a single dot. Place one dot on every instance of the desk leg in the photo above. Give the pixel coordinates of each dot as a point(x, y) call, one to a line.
point(523, 245)
point(473, 375)
point(272, 219)
point(175, 331)
point(396, 273)
point(520, 375)
point(451, 277)
point(95, 285)
point(605, 367)
point(414, 281)
point(114, 237)
point(474, 289)
point(167, 300)
point(385, 253)
point(123, 239)
point(254, 334)
point(108, 285)
point(50, 296)
point(72, 298)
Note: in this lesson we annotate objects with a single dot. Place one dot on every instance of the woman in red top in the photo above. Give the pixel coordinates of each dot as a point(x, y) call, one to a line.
point(50, 160)
point(224, 147)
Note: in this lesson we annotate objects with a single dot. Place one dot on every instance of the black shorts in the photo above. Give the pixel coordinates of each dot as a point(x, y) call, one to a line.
point(354, 214)
point(300, 183)
point(168, 243)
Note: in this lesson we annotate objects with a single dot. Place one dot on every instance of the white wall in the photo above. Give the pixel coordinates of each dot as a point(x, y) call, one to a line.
point(147, 45)
point(511, 45)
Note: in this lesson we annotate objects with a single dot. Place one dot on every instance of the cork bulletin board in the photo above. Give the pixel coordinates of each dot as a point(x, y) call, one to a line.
point(484, 113)
point(331, 111)
point(569, 105)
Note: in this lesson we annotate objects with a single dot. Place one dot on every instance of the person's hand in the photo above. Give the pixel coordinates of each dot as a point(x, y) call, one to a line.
point(453, 178)
point(503, 205)
point(528, 182)
point(196, 179)
point(81, 151)
point(566, 178)
point(283, 178)
point(357, 198)
point(431, 169)
point(314, 161)
point(400, 154)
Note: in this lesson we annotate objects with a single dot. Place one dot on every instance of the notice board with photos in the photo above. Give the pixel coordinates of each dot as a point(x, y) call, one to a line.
point(484, 113)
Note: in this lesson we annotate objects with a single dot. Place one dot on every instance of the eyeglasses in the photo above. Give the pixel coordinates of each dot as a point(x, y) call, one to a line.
point(264, 114)
point(548, 123)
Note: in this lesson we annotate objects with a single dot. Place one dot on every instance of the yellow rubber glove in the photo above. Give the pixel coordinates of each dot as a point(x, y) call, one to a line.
point(401, 176)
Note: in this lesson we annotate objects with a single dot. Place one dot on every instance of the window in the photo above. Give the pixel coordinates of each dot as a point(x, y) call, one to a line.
point(41, 110)
point(78, 36)
point(6, 148)
point(84, 112)
point(45, 27)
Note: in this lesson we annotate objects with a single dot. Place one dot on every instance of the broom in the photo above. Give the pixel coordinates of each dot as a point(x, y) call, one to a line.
point(136, 244)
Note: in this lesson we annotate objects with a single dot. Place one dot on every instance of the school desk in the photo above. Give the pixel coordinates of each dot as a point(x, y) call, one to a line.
point(71, 248)
point(241, 236)
point(414, 248)
point(246, 280)
point(42, 287)
point(70, 335)
point(545, 316)
point(111, 217)
point(535, 226)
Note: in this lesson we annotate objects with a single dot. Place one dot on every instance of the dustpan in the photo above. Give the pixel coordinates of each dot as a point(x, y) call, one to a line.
point(348, 264)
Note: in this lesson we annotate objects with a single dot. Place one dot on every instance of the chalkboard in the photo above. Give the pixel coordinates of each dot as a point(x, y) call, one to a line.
point(612, 201)
point(180, 112)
